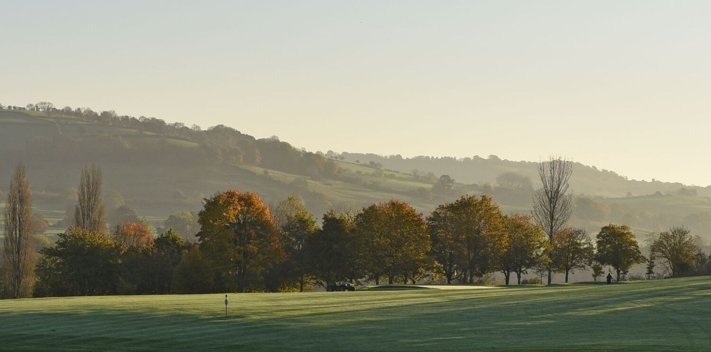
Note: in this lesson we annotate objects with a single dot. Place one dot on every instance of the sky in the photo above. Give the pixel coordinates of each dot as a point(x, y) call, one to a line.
point(621, 85)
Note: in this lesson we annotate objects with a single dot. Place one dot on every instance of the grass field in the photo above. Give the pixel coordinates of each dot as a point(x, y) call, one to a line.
point(668, 315)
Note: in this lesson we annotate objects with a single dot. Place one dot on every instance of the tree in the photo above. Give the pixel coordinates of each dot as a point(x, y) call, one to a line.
point(80, 263)
point(650, 267)
point(237, 235)
point(89, 212)
point(443, 186)
point(123, 214)
point(184, 223)
point(468, 235)
point(448, 245)
point(571, 249)
point(335, 252)
point(193, 274)
point(525, 245)
point(551, 203)
point(18, 252)
point(396, 239)
point(512, 180)
point(133, 235)
point(597, 270)
point(148, 269)
point(617, 247)
point(678, 249)
point(295, 224)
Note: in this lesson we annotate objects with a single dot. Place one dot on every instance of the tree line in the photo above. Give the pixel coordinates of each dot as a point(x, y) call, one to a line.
point(245, 245)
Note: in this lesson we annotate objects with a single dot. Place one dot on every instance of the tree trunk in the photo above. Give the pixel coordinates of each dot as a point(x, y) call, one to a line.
point(518, 278)
point(301, 283)
point(566, 275)
point(507, 274)
point(550, 276)
point(618, 274)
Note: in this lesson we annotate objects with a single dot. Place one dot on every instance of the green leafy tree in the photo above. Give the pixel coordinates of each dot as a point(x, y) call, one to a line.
point(396, 239)
point(650, 267)
point(678, 250)
point(617, 247)
point(448, 245)
point(525, 245)
point(597, 270)
point(335, 252)
point(18, 254)
point(194, 273)
point(468, 235)
point(238, 236)
point(571, 249)
point(80, 263)
point(295, 224)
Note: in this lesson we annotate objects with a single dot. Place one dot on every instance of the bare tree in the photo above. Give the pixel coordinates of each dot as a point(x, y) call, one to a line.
point(18, 257)
point(551, 204)
point(89, 212)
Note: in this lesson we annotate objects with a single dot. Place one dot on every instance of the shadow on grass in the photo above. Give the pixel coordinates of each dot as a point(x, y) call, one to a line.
point(659, 316)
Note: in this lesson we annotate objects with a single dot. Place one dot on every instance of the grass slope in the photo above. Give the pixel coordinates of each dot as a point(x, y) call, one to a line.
point(666, 315)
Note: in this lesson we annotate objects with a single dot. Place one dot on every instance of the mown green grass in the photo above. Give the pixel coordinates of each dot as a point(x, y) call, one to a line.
point(669, 315)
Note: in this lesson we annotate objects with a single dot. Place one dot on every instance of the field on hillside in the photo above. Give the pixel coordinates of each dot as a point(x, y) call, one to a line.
point(667, 315)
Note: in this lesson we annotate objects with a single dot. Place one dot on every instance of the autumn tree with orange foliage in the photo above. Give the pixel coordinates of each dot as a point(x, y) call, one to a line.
point(238, 236)
point(133, 235)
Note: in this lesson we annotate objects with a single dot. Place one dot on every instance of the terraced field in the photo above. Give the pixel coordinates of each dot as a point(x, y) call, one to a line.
point(668, 315)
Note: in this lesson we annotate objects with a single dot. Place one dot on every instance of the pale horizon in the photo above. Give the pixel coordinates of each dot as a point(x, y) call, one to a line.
point(620, 86)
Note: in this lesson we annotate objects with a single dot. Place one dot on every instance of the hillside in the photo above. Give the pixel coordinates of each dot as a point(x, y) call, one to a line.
point(157, 169)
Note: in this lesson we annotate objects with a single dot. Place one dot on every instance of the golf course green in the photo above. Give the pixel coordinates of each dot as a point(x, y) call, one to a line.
point(662, 315)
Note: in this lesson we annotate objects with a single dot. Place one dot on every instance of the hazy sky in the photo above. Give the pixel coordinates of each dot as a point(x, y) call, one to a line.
point(622, 85)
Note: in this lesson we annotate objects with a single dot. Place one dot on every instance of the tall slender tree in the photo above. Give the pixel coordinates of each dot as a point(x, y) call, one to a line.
point(89, 212)
point(18, 254)
point(552, 203)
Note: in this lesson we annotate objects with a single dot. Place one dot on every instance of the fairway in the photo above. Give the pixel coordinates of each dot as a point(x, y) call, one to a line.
point(668, 315)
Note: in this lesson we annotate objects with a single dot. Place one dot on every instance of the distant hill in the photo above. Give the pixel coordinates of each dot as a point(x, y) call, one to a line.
point(158, 169)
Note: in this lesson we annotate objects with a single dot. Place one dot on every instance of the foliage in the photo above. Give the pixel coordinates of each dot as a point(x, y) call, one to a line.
point(193, 274)
point(678, 248)
point(81, 263)
point(295, 224)
point(525, 246)
point(133, 235)
point(468, 237)
point(122, 215)
point(238, 236)
point(335, 252)
point(617, 247)
point(396, 239)
point(597, 270)
point(571, 249)
point(184, 223)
